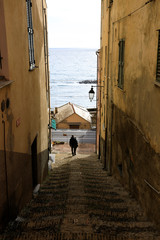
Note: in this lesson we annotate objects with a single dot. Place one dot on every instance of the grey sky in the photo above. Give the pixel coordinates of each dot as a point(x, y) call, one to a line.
point(74, 24)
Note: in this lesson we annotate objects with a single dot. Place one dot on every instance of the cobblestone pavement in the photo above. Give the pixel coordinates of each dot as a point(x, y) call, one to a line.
point(79, 201)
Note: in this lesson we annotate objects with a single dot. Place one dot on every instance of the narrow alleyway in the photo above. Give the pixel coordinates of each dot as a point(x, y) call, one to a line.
point(80, 201)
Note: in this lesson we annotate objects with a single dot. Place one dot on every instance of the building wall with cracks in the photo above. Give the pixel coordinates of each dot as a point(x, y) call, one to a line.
point(24, 99)
point(130, 40)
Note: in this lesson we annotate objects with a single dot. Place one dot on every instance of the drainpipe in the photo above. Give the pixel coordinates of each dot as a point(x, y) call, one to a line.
point(112, 105)
point(5, 162)
point(46, 55)
point(48, 74)
point(100, 94)
point(97, 106)
point(109, 102)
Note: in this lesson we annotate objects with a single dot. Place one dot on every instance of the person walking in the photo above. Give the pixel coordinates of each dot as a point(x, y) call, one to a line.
point(73, 144)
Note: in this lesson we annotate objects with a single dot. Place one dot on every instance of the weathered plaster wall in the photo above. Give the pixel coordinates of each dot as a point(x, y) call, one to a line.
point(27, 116)
point(140, 94)
point(134, 161)
point(3, 45)
point(29, 103)
point(135, 117)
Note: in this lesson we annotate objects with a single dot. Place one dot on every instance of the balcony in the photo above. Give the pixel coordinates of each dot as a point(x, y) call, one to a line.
point(4, 82)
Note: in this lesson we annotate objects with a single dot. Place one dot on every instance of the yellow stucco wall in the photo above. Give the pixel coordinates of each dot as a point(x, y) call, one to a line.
point(27, 95)
point(140, 95)
point(27, 116)
point(74, 119)
point(137, 23)
point(133, 137)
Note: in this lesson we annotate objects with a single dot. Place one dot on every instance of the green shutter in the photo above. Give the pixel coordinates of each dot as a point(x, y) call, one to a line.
point(158, 59)
point(121, 64)
point(30, 34)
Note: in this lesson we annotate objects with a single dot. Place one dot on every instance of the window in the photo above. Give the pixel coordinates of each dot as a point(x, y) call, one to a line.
point(74, 126)
point(111, 1)
point(158, 59)
point(121, 64)
point(30, 35)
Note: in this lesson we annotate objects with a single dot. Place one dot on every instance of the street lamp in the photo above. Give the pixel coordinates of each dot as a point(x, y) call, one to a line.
point(91, 94)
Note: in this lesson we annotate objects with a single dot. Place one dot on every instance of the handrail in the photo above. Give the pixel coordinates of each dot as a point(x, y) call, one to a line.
point(154, 189)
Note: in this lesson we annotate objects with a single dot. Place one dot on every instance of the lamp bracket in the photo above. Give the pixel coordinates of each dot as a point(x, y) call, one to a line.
point(96, 86)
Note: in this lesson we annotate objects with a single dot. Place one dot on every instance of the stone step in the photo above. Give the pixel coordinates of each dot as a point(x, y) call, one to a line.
point(77, 236)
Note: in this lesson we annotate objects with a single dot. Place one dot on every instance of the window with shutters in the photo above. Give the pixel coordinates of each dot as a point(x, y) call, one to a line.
point(30, 35)
point(158, 59)
point(121, 64)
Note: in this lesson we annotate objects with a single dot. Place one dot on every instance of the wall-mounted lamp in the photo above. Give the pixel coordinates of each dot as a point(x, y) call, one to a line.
point(92, 92)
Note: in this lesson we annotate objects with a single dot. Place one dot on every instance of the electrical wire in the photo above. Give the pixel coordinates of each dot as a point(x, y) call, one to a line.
point(134, 11)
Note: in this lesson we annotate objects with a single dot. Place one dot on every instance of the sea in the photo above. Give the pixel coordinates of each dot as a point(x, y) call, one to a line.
point(68, 68)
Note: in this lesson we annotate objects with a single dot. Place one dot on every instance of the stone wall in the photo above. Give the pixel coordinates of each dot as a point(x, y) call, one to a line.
point(135, 163)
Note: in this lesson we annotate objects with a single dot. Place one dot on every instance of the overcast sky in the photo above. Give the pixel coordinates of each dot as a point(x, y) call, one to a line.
point(74, 24)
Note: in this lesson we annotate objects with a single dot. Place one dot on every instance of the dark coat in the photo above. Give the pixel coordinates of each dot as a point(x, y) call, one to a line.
point(73, 142)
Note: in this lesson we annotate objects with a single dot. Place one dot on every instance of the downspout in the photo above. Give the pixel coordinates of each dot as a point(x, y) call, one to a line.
point(100, 95)
point(49, 101)
point(5, 162)
point(48, 74)
point(100, 75)
point(112, 105)
point(108, 140)
point(45, 28)
point(97, 104)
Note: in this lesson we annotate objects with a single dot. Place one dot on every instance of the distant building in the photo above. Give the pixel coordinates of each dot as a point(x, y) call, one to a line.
point(129, 97)
point(72, 116)
point(93, 113)
point(24, 102)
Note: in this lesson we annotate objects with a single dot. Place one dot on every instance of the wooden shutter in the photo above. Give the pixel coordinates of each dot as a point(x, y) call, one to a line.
point(121, 64)
point(30, 34)
point(158, 59)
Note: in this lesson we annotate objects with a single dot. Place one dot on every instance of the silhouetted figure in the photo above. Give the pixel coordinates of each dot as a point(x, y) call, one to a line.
point(73, 144)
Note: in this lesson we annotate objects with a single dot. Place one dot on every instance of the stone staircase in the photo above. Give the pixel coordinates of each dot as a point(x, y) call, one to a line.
point(79, 201)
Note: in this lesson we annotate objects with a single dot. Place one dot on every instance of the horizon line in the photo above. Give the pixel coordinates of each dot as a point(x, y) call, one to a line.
point(74, 47)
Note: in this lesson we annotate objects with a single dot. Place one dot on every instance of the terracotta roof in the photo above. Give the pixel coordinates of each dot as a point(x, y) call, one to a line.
point(69, 109)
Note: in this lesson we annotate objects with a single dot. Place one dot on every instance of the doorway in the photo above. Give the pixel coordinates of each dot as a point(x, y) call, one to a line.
point(34, 163)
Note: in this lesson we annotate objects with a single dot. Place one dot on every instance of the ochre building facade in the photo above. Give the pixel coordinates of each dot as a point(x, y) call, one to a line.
point(74, 122)
point(72, 116)
point(24, 101)
point(130, 93)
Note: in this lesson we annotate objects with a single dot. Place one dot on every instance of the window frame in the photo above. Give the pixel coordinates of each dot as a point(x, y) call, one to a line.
point(110, 2)
point(158, 59)
point(30, 35)
point(121, 64)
